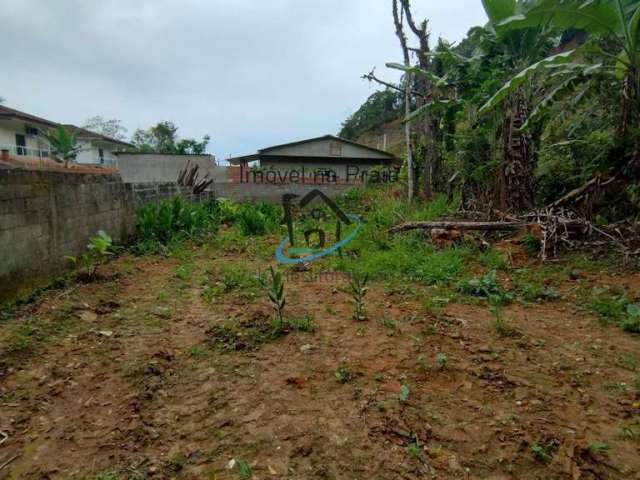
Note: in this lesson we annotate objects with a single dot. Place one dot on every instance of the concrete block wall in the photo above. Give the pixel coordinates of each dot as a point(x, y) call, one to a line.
point(267, 192)
point(154, 167)
point(45, 216)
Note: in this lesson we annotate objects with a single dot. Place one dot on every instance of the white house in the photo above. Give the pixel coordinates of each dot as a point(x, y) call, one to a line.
point(96, 148)
point(20, 136)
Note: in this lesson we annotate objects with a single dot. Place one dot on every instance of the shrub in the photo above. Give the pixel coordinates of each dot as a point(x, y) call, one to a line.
point(257, 219)
point(487, 287)
point(251, 221)
point(98, 249)
point(531, 244)
point(176, 219)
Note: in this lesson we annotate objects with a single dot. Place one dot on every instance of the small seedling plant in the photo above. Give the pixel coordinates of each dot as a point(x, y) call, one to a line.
point(358, 287)
point(98, 249)
point(442, 360)
point(274, 286)
point(405, 391)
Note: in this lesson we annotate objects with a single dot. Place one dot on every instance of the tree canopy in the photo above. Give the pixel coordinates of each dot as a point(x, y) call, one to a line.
point(380, 108)
point(539, 101)
point(163, 138)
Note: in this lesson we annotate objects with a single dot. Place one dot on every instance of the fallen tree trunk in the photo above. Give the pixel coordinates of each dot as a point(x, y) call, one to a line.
point(480, 226)
point(446, 225)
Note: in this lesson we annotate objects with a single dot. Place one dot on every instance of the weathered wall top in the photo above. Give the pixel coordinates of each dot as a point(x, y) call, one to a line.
point(151, 167)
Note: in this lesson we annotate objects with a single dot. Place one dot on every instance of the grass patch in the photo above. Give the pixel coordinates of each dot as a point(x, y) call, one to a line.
point(494, 260)
point(306, 323)
point(23, 335)
point(613, 306)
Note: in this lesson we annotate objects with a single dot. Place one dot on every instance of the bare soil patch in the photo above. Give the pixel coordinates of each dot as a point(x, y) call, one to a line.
point(161, 372)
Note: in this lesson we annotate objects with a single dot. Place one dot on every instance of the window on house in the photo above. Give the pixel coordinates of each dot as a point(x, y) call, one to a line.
point(101, 156)
point(21, 144)
point(335, 149)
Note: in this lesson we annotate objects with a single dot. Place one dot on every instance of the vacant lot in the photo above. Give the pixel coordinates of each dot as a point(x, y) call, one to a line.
point(486, 365)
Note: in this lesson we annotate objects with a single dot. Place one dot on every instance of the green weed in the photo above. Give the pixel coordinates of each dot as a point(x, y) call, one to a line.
point(499, 324)
point(183, 272)
point(405, 391)
point(387, 322)
point(487, 287)
point(494, 259)
point(98, 249)
point(274, 286)
point(20, 338)
point(244, 469)
point(615, 307)
point(258, 219)
point(608, 305)
point(358, 287)
point(107, 475)
point(306, 323)
point(413, 449)
point(442, 360)
point(175, 219)
point(198, 351)
point(422, 364)
point(544, 450)
point(343, 374)
point(599, 447)
point(531, 244)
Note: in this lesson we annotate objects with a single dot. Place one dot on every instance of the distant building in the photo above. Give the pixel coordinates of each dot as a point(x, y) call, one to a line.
point(322, 159)
point(20, 137)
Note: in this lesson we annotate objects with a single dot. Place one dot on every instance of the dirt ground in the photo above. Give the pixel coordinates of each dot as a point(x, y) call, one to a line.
point(140, 375)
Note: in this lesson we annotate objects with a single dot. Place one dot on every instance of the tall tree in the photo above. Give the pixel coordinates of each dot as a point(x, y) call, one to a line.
point(163, 138)
point(616, 20)
point(112, 128)
point(423, 84)
point(520, 47)
point(398, 21)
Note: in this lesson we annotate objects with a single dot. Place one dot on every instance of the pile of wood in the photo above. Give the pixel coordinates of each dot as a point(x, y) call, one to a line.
point(188, 177)
point(554, 227)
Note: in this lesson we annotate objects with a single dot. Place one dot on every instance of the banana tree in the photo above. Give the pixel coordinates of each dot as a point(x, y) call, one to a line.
point(63, 143)
point(519, 48)
point(616, 20)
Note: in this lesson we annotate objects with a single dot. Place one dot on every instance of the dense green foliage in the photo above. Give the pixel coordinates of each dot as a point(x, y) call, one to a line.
point(175, 219)
point(381, 107)
point(533, 104)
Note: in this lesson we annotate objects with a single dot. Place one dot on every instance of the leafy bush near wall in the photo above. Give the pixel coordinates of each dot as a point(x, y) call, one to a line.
point(176, 219)
point(258, 219)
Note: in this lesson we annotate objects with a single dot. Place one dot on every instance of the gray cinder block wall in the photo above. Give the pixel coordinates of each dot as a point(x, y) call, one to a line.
point(155, 167)
point(45, 216)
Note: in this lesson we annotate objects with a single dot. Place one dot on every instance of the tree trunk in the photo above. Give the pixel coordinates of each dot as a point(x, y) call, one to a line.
point(407, 98)
point(426, 126)
point(629, 125)
point(518, 164)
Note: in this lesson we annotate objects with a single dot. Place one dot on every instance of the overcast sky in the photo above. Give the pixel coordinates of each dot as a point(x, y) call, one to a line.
point(250, 73)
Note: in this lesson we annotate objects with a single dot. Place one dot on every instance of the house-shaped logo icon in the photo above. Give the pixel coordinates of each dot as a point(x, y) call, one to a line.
point(312, 244)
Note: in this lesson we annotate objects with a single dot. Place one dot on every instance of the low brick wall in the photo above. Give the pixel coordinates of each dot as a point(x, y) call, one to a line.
point(45, 216)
